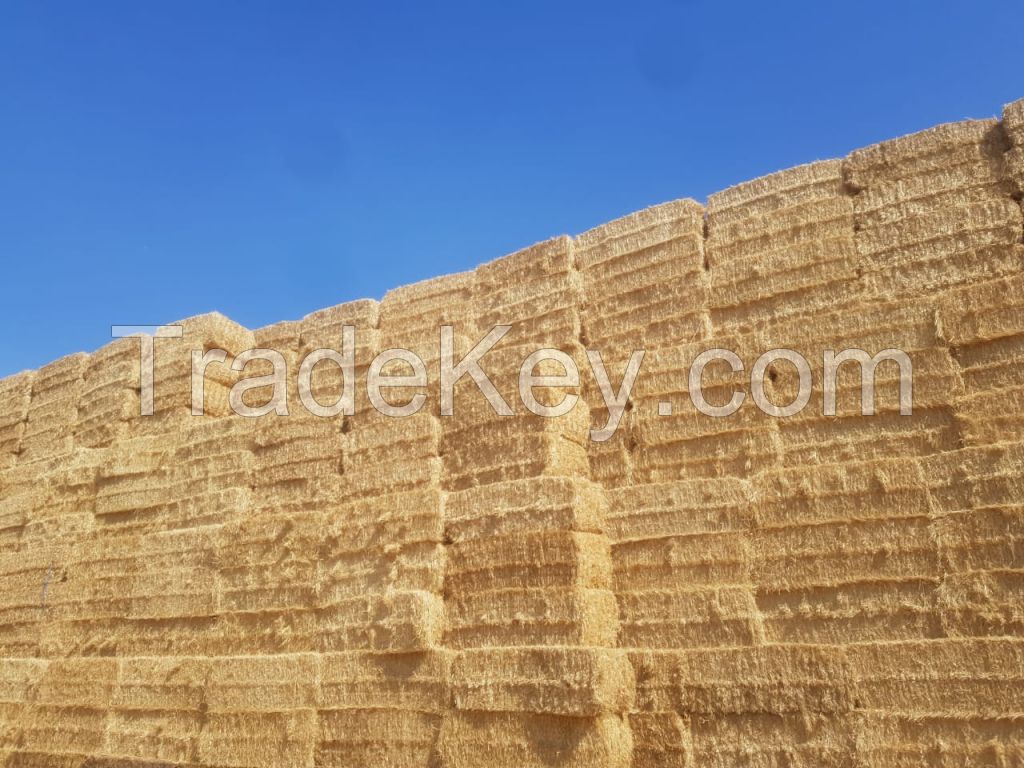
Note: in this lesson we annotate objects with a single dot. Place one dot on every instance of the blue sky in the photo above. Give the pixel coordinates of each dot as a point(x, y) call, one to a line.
point(162, 159)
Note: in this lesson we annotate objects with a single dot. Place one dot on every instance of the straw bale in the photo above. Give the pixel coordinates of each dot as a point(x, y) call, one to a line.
point(661, 740)
point(661, 235)
point(707, 559)
point(524, 617)
point(522, 740)
point(922, 152)
point(966, 677)
point(162, 683)
point(356, 738)
point(554, 559)
point(890, 487)
point(582, 682)
point(836, 552)
point(360, 680)
point(394, 622)
point(837, 440)
point(805, 740)
point(893, 740)
point(773, 679)
point(870, 610)
point(688, 618)
point(982, 604)
point(258, 739)
point(945, 186)
point(518, 506)
point(55, 729)
point(735, 453)
point(777, 191)
point(262, 683)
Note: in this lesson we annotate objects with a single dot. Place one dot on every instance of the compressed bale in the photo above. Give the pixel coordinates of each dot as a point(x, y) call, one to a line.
point(383, 455)
point(524, 617)
point(992, 364)
point(976, 477)
point(908, 324)
point(582, 682)
point(534, 504)
point(394, 622)
point(643, 279)
point(152, 736)
point(269, 562)
point(521, 740)
point(293, 630)
point(416, 566)
point(844, 551)
point(870, 610)
point(55, 729)
point(262, 683)
point(922, 193)
point(982, 312)
point(891, 740)
point(15, 395)
point(688, 618)
point(806, 740)
point(556, 559)
point(970, 141)
point(982, 604)
point(933, 209)
point(355, 738)
point(712, 559)
point(19, 678)
point(157, 684)
point(424, 306)
point(65, 505)
point(30, 596)
point(991, 417)
point(258, 739)
point(979, 539)
point(483, 448)
point(536, 291)
point(661, 740)
point(324, 329)
point(828, 218)
point(381, 543)
point(975, 677)
point(53, 409)
point(680, 508)
point(838, 439)
point(368, 681)
point(781, 245)
point(851, 491)
point(1013, 123)
point(731, 453)
point(767, 679)
point(132, 486)
point(176, 575)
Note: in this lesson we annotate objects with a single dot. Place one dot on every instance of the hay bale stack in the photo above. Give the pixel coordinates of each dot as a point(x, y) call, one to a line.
point(15, 395)
point(173, 396)
point(477, 589)
point(934, 210)
point(1013, 124)
point(529, 564)
point(780, 245)
point(53, 410)
point(110, 396)
point(645, 286)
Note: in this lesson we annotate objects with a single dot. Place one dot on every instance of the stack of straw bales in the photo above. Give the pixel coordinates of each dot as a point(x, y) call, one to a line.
point(477, 589)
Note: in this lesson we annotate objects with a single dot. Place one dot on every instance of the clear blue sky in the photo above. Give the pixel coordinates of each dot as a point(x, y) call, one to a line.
point(162, 159)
